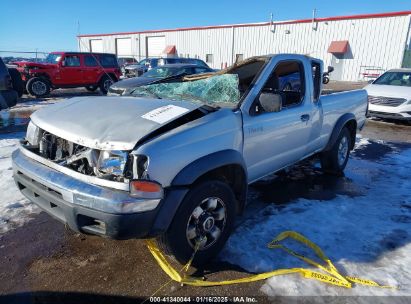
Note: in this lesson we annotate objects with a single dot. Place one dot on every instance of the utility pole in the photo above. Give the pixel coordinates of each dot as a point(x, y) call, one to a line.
point(78, 34)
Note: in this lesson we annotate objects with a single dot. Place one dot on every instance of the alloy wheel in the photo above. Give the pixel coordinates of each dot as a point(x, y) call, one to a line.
point(206, 223)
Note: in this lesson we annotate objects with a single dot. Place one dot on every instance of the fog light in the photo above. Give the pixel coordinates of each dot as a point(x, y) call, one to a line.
point(146, 189)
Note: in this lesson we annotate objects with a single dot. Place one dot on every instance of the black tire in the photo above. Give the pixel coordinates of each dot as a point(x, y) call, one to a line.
point(91, 88)
point(105, 83)
point(176, 240)
point(326, 79)
point(335, 160)
point(18, 84)
point(38, 87)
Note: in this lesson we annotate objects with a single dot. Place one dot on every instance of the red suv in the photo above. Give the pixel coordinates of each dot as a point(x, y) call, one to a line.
point(70, 70)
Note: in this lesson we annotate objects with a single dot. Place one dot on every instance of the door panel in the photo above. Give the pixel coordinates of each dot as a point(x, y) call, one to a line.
point(274, 140)
point(71, 73)
point(91, 69)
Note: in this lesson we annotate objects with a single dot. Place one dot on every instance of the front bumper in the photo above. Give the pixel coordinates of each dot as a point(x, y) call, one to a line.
point(402, 112)
point(69, 200)
point(395, 116)
point(115, 91)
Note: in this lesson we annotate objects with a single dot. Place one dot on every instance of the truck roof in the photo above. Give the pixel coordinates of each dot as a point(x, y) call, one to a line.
point(74, 53)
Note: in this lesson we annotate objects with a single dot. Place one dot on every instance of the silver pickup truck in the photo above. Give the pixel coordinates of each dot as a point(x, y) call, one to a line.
point(174, 161)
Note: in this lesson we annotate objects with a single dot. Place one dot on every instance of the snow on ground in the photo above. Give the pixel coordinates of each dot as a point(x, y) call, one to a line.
point(15, 210)
point(33, 105)
point(367, 236)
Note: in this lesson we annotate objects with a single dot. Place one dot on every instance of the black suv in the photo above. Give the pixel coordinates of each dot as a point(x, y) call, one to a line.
point(134, 70)
point(8, 96)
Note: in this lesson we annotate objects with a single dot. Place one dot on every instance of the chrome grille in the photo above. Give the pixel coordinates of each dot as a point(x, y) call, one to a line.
point(386, 101)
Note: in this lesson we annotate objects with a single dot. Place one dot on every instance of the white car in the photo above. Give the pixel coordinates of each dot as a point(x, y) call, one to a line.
point(389, 96)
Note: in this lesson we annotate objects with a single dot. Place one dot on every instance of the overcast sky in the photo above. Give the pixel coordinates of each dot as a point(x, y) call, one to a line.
point(53, 25)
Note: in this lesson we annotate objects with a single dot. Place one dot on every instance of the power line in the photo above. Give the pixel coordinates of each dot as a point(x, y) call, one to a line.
point(24, 52)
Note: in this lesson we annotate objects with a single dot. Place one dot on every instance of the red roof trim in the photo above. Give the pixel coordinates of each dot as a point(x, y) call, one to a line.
point(337, 18)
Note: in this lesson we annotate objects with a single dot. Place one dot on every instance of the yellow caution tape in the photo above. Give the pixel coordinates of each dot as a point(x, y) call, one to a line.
point(329, 275)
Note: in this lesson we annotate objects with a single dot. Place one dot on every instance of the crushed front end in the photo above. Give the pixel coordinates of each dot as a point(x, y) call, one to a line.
point(91, 190)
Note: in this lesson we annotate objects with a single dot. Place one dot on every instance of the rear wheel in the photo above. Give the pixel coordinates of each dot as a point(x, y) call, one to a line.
point(91, 88)
point(38, 87)
point(335, 160)
point(105, 83)
point(204, 219)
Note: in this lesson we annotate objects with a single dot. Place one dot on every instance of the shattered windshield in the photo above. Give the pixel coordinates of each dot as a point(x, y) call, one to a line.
point(221, 90)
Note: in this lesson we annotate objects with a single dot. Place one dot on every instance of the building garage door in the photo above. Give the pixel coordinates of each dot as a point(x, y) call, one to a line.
point(155, 45)
point(123, 47)
point(96, 45)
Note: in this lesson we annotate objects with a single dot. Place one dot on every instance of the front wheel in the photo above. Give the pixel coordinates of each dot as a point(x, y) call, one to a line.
point(38, 87)
point(335, 160)
point(204, 221)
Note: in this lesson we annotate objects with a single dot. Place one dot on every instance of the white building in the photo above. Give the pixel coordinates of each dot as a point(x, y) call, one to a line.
point(357, 46)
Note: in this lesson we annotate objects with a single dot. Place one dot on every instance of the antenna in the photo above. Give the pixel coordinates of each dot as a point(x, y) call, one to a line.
point(313, 23)
point(78, 34)
point(272, 23)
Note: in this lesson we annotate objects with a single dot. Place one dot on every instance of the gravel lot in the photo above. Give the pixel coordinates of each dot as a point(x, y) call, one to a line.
point(42, 262)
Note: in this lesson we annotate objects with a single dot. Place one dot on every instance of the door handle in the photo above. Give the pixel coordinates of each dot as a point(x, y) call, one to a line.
point(305, 117)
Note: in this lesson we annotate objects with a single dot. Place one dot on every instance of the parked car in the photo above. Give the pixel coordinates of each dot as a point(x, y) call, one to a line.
point(290, 82)
point(177, 166)
point(70, 70)
point(8, 96)
point(125, 61)
point(135, 70)
point(126, 86)
point(389, 95)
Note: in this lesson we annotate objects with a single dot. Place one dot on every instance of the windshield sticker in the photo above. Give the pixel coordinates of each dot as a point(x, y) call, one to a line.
point(164, 114)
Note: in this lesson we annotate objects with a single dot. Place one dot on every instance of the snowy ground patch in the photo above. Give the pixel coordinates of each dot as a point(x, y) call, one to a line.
point(15, 210)
point(366, 235)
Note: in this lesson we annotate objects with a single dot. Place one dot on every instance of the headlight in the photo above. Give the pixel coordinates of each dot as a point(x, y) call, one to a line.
point(112, 162)
point(33, 134)
point(142, 165)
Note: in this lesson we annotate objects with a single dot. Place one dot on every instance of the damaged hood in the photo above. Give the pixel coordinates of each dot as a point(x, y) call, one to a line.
point(38, 65)
point(109, 123)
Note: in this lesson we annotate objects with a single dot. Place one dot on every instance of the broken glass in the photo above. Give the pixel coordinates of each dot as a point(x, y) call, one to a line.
point(218, 89)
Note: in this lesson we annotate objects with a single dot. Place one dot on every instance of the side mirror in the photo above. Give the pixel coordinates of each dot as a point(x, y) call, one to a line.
point(370, 81)
point(63, 63)
point(330, 69)
point(270, 102)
